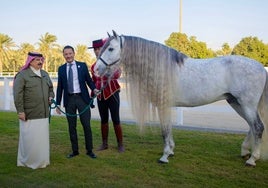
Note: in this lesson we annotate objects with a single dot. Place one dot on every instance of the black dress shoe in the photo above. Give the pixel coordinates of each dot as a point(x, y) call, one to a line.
point(71, 155)
point(92, 155)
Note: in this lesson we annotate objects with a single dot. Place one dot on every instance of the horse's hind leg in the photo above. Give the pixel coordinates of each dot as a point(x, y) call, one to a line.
point(245, 147)
point(255, 131)
point(165, 121)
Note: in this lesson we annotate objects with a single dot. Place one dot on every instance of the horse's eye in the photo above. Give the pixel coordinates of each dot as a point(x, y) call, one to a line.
point(110, 49)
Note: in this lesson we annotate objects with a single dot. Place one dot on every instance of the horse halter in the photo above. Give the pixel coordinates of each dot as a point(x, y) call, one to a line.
point(108, 65)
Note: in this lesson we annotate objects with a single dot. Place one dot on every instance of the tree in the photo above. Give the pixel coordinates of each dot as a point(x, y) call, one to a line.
point(190, 47)
point(6, 43)
point(199, 49)
point(82, 54)
point(21, 54)
point(25, 48)
point(178, 41)
point(56, 58)
point(225, 50)
point(253, 48)
point(47, 42)
point(14, 59)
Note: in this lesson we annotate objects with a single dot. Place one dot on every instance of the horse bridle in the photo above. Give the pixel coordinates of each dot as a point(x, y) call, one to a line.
point(108, 65)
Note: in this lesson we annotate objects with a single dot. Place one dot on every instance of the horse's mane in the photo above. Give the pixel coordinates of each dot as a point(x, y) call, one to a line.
point(150, 69)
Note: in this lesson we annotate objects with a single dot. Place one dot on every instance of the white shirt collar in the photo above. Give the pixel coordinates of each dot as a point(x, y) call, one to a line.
point(37, 72)
point(73, 63)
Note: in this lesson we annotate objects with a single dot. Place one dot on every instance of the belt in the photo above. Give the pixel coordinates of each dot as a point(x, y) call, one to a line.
point(74, 94)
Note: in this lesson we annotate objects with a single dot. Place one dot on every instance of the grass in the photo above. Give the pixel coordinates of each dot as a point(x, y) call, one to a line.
point(202, 159)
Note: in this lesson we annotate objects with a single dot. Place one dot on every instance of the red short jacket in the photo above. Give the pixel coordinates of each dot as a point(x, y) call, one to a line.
point(109, 88)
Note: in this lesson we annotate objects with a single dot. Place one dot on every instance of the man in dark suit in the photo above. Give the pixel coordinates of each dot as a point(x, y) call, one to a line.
point(73, 79)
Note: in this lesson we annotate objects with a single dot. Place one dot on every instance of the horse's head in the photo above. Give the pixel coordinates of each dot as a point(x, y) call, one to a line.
point(109, 56)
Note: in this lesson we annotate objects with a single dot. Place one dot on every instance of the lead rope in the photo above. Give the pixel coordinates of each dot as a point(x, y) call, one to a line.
point(54, 105)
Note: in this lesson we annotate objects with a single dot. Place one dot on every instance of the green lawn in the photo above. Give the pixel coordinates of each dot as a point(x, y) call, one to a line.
point(202, 159)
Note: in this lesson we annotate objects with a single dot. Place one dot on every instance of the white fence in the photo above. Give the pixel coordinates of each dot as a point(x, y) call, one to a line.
point(7, 102)
point(6, 93)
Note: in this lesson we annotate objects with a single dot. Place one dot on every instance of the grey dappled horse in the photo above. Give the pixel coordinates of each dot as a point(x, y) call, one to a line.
point(160, 77)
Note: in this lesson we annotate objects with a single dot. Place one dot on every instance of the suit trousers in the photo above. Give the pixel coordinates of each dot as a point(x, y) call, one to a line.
point(75, 102)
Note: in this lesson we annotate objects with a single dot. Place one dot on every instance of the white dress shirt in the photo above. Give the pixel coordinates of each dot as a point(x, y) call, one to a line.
point(75, 77)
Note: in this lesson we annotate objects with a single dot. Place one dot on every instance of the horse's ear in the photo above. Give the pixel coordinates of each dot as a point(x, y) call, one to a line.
point(108, 34)
point(115, 34)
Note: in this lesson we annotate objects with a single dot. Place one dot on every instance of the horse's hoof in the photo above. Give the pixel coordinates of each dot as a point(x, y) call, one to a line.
point(163, 159)
point(250, 165)
point(250, 162)
point(162, 162)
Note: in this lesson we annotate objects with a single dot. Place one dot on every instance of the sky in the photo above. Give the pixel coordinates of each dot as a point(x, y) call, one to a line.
point(81, 21)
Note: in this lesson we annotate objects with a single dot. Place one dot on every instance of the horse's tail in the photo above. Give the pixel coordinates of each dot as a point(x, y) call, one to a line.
point(263, 113)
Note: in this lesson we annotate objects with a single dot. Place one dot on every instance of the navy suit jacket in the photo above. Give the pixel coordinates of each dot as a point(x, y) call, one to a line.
point(84, 81)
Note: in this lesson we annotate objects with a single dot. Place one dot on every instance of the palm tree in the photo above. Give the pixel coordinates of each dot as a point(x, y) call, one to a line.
point(47, 42)
point(82, 54)
point(6, 44)
point(56, 58)
point(24, 48)
point(15, 60)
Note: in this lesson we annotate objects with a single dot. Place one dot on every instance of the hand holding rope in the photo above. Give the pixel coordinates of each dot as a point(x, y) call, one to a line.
point(53, 105)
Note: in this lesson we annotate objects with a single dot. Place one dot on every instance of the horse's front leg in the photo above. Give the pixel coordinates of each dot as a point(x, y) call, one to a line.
point(168, 143)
